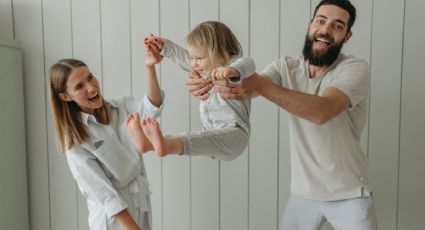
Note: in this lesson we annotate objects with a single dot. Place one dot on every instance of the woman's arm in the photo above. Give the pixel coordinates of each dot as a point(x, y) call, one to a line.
point(153, 91)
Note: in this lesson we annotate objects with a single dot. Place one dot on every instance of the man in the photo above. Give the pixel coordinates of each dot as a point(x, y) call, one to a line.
point(325, 93)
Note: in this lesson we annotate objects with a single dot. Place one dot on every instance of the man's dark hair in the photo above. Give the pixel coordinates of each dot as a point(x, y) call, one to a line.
point(344, 4)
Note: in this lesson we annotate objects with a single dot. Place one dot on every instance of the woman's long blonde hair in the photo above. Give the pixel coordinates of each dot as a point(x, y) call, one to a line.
point(216, 39)
point(66, 114)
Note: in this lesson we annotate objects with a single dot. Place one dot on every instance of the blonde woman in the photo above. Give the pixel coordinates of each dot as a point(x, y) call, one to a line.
point(93, 134)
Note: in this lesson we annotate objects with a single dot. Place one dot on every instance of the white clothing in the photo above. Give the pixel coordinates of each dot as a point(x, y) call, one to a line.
point(226, 126)
point(350, 214)
point(327, 162)
point(108, 169)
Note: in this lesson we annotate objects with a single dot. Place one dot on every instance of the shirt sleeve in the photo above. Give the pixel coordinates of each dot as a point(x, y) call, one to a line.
point(144, 107)
point(93, 182)
point(274, 71)
point(244, 65)
point(177, 54)
point(353, 80)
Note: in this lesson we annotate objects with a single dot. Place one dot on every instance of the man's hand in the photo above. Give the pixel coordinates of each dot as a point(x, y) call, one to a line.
point(197, 86)
point(232, 91)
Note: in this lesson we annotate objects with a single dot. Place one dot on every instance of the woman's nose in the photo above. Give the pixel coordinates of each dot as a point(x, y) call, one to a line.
point(91, 87)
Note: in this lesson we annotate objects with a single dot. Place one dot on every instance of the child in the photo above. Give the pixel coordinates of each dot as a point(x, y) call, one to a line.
point(92, 132)
point(213, 52)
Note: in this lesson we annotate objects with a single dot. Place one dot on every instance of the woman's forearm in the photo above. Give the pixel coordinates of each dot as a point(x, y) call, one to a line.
point(126, 220)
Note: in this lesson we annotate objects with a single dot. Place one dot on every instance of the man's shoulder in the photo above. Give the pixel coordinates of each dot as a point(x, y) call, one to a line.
point(289, 61)
point(351, 59)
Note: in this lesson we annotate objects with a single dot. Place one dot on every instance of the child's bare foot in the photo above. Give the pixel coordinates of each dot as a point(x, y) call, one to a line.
point(136, 133)
point(153, 133)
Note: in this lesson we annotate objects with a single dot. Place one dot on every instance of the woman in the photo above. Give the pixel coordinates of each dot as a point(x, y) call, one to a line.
point(93, 134)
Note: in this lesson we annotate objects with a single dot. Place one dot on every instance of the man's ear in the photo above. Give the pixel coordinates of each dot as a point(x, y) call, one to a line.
point(347, 36)
point(64, 97)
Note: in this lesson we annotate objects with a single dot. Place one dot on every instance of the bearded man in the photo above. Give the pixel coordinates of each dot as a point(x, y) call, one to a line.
point(325, 93)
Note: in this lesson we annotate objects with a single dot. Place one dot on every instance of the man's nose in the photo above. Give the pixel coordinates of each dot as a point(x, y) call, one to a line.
point(326, 29)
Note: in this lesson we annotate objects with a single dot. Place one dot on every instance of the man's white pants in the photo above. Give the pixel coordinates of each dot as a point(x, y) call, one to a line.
point(351, 214)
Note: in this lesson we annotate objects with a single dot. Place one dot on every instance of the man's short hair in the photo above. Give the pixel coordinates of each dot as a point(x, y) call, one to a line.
point(344, 4)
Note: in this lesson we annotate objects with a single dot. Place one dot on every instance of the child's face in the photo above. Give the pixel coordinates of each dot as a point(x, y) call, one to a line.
point(83, 88)
point(199, 60)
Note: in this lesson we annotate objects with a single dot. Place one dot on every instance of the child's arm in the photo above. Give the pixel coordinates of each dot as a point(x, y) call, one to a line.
point(164, 47)
point(177, 54)
point(237, 70)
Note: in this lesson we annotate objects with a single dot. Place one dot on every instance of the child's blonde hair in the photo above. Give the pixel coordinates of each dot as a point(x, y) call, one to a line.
point(66, 114)
point(217, 39)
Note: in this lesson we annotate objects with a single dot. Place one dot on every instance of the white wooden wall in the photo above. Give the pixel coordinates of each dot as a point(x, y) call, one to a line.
point(199, 193)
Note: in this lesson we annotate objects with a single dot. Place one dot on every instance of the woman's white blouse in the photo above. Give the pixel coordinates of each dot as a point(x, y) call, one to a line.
point(109, 170)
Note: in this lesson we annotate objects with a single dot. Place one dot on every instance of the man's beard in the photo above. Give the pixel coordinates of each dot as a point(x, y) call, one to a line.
point(325, 59)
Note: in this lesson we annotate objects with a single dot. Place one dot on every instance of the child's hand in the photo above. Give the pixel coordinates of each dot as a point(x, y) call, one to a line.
point(222, 73)
point(153, 46)
point(156, 43)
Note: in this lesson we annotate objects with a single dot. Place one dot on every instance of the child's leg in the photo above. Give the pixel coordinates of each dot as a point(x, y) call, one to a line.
point(136, 133)
point(221, 144)
point(162, 146)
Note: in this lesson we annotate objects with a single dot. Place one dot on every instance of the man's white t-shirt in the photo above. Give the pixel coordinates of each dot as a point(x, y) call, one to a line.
point(327, 162)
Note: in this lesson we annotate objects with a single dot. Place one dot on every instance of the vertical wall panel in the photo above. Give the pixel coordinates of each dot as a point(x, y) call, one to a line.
point(263, 157)
point(145, 20)
point(6, 20)
point(13, 163)
point(234, 174)
point(204, 171)
point(58, 44)
point(385, 96)
point(412, 128)
point(176, 169)
point(86, 47)
point(295, 16)
point(86, 34)
point(28, 28)
point(115, 48)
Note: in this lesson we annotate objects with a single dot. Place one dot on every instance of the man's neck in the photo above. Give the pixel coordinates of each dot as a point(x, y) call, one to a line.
point(315, 71)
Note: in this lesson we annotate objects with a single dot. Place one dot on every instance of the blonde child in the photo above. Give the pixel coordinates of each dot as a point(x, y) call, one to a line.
point(214, 53)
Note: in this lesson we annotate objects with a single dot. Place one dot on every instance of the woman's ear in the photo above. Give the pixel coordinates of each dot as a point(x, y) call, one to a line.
point(64, 97)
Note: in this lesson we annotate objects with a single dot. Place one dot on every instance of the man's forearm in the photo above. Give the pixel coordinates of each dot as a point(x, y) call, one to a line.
point(314, 108)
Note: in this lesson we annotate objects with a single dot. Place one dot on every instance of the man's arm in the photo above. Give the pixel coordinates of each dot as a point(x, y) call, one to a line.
point(317, 109)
